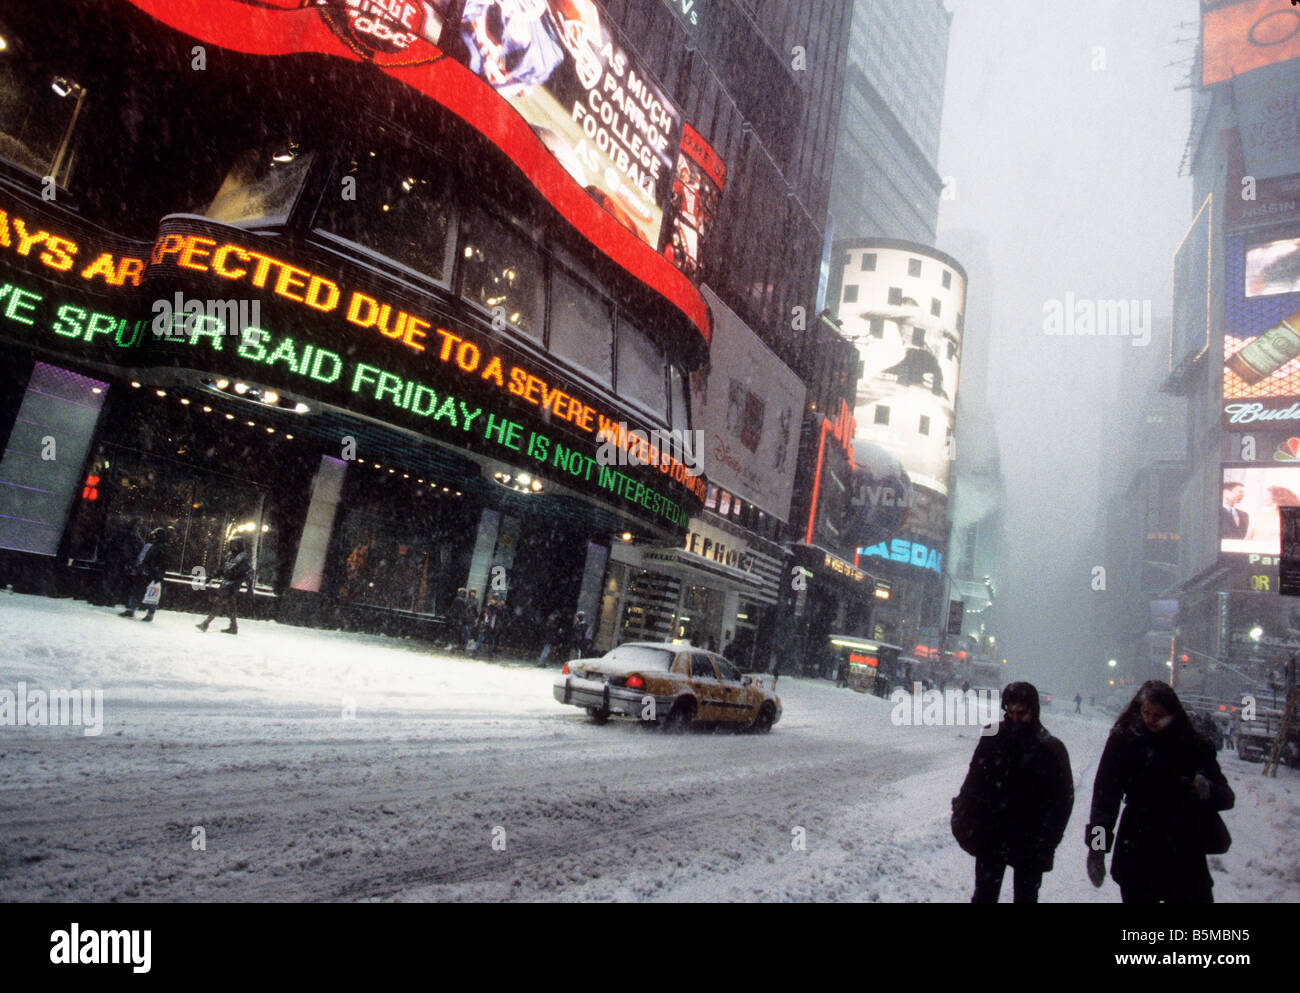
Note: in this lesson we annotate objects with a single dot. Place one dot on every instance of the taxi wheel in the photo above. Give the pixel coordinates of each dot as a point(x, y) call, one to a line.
point(763, 720)
point(598, 715)
point(679, 718)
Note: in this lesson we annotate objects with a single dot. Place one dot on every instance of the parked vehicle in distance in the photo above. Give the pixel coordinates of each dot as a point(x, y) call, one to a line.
point(673, 685)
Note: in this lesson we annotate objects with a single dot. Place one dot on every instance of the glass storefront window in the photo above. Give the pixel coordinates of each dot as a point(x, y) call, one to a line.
point(503, 272)
point(39, 110)
point(201, 511)
point(262, 186)
point(390, 201)
point(582, 327)
point(641, 370)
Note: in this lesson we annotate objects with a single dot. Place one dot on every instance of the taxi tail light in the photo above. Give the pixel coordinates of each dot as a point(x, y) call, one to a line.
point(635, 683)
point(565, 670)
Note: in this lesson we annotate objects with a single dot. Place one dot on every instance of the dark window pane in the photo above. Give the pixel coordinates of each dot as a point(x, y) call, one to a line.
point(262, 186)
point(38, 113)
point(502, 269)
point(882, 414)
point(401, 210)
point(925, 424)
point(895, 295)
point(936, 307)
point(914, 267)
point(850, 294)
point(582, 327)
point(947, 279)
point(641, 370)
point(869, 262)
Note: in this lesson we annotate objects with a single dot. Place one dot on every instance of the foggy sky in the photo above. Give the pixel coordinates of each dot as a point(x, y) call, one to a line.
point(1070, 174)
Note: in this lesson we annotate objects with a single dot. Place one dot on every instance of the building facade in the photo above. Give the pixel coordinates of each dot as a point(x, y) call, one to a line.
point(411, 304)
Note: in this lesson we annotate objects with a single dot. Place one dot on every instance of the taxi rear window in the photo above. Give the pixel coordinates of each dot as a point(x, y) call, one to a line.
point(645, 658)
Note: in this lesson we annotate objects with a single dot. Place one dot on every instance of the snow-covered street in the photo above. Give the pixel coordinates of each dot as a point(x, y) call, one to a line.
point(328, 766)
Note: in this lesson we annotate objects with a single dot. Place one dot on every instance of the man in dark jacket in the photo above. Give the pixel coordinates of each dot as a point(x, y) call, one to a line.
point(1016, 800)
point(150, 567)
point(237, 572)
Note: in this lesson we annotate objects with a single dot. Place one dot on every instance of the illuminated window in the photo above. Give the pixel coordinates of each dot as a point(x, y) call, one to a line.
point(262, 186)
point(502, 272)
point(641, 370)
point(389, 201)
point(582, 327)
point(39, 110)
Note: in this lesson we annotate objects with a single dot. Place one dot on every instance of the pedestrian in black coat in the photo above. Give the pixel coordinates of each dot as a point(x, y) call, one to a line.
point(1016, 801)
point(150, 567)
point(1170, 780)
point(238, 570)
point(121, 549)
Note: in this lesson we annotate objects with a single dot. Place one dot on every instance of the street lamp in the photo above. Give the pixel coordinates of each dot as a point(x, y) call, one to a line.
point(1112, 663)
point(1256, 633)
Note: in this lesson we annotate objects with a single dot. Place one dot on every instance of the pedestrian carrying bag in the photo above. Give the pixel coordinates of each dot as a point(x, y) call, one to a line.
point(152, 594)
point(970, 825)
point(1214, 834)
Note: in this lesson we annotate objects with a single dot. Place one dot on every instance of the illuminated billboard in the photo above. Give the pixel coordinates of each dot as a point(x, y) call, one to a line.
point(1241, 37)
point(326, 334)
point(594, 135)
point(1192, 268)
point(1261, 337)
point(903, 307)
point(1249, 522)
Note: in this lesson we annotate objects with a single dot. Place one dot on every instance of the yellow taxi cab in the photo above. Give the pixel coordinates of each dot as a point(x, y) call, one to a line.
point(674, 685)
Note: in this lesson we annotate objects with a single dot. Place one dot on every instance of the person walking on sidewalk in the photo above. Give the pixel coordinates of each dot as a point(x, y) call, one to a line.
point(150, 567)
point(1167, 774)
point(237, 572)
point(1016, 800)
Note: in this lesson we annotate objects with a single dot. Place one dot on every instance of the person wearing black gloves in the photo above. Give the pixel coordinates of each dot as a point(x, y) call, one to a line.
point(1016, 800)
point(1168, 776)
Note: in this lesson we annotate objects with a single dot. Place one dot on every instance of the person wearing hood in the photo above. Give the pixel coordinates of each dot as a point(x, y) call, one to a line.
point(150, 567)
point(1169, 778)
point(238, 571)
point(1016, 800)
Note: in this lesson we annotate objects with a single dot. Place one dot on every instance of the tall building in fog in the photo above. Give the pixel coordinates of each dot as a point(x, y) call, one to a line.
point(886, 182)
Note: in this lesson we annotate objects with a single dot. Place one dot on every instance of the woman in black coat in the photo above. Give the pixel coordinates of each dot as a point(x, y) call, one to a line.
point(1172, 786)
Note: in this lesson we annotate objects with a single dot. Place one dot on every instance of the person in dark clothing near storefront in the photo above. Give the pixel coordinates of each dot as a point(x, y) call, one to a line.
point(121, 548)
point(456, 618)
point(1170, 780)
point(488, 623)
point(1016, 801)
point(150, 567)
point(238, 571)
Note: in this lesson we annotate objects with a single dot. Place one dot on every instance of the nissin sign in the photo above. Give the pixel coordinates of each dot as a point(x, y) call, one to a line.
point(907, 553)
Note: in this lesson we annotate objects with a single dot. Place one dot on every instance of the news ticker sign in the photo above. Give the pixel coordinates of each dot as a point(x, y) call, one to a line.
point(328, 336)
point(549, 82)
